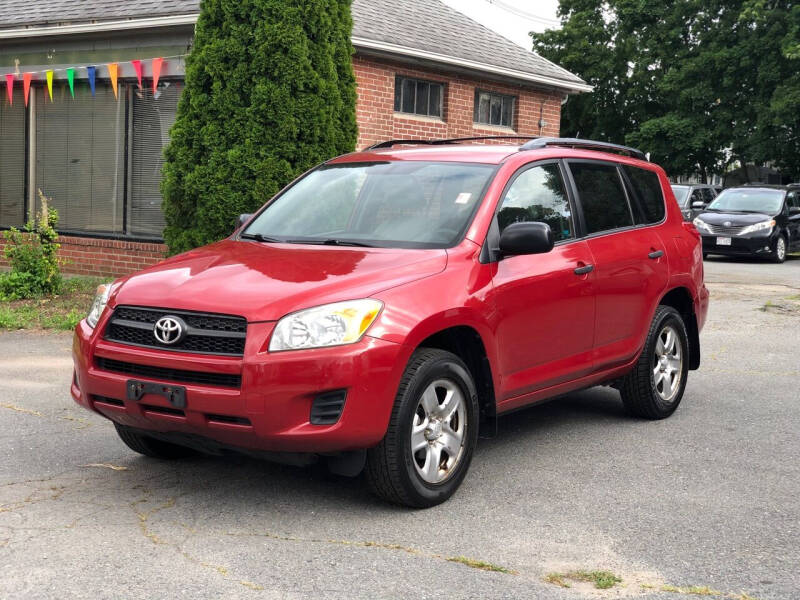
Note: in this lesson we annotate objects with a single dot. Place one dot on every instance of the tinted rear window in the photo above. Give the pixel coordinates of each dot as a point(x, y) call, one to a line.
point(647, 190)
point(602, 196)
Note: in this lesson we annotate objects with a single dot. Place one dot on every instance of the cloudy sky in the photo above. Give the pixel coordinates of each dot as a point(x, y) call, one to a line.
point(511, 18)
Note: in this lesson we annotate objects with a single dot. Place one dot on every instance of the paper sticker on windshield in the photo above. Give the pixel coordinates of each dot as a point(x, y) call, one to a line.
point(463, 198)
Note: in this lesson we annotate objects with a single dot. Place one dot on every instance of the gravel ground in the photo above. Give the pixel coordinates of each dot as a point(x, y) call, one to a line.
point(705, 498)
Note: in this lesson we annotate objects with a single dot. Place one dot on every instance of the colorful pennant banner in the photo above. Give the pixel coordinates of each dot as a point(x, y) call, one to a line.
point(137, 66)
point(26, 86)
point(49, 75)
point(112, 73)
point(156, 67)
point(10, 87)
point(91, 73)
point(71, 81)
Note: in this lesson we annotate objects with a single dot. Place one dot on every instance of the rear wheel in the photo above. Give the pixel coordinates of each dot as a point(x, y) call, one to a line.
point(432, 433)
point(655, 386)
point(144, 444)
point(779, 254)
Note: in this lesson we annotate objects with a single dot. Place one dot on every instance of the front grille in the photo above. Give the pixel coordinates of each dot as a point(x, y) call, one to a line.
point(167, 374)
point(206, 333)
point(722, 230)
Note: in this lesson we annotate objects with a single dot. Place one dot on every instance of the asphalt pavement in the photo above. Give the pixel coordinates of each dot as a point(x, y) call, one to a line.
point(706, 498)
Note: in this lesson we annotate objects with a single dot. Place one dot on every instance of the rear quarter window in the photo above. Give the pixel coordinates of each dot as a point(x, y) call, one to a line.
point(602, 196)
point(647, 191)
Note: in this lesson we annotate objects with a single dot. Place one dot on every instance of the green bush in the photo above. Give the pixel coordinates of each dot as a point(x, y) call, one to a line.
point(32, 254)
point(270, 92)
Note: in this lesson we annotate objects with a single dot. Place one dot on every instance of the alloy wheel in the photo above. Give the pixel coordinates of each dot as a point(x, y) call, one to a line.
point(667, 364)
point(438, 431)
point(780, 249)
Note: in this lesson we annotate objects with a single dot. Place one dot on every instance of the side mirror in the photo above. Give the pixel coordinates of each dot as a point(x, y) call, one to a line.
point(699, 205)
point(242, 220)
point(794, 210)
point(526, 238)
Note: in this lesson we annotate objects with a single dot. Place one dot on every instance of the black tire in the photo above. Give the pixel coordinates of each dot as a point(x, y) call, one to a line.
point(149, 446)
point(390, 469)
point(777, 256)
point(639, 389)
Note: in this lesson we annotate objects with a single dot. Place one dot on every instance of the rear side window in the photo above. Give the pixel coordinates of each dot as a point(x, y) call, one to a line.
point(602, 196)
point(647, 190)
point(538, 194)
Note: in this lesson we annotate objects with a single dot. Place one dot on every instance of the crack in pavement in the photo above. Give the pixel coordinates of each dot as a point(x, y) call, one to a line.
point(380, 545)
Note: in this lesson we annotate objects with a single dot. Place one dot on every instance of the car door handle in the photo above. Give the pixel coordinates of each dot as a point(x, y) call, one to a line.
point(584, 270)
point(656, 254)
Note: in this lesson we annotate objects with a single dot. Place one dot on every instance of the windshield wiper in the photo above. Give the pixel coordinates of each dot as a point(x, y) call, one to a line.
point(331, 242)
point(258, 237)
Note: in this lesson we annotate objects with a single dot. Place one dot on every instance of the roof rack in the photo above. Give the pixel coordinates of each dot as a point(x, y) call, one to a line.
point(539, 143)
point(441, 142)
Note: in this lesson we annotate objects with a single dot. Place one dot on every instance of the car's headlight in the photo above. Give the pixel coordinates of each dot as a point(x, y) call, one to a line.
point(328, 325)
point(762, 226)
point(99, 304)
point(700, 224)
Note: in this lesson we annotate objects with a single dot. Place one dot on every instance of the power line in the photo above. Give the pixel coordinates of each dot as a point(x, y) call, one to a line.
point(524, 14)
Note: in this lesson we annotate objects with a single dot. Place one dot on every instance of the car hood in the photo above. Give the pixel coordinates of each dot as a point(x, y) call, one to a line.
point(734, 218)
point(263, 282)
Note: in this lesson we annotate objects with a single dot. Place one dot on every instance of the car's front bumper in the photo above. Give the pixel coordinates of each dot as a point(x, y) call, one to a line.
point(753, 245)
point(269, 412)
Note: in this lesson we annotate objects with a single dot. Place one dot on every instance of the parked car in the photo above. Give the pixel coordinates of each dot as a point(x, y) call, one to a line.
point(385, 308)
point(692, 198)
point(758, 220)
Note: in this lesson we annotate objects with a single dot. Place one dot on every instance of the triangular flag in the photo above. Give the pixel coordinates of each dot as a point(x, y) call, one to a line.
point(92, 73)
point(113, 68)
point(157, 62)
point(49, 75)
point(10, 87)
point(26, 85)
point(71, 80)
point(137, 66)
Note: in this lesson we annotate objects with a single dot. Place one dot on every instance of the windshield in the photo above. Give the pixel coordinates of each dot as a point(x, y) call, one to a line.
point(406, 204)
point(748, 200)
point(681, 193)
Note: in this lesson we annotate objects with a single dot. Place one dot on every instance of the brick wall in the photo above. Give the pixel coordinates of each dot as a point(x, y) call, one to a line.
point(103, 258)
point(377, 120)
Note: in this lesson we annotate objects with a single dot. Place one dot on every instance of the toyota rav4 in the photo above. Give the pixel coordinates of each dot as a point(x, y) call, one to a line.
point(384, 309)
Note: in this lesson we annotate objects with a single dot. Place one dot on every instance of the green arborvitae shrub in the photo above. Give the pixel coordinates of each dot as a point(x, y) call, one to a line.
point(32, 254)
point(270, 92)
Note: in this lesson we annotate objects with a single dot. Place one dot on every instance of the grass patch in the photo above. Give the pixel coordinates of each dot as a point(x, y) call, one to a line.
point(602, 580)
point(694, 590)
point(61, 312)
point(479, 564)
point(556, 579)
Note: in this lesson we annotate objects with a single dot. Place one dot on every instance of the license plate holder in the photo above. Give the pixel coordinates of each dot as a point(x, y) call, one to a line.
point(723, 241)
point(175, 394)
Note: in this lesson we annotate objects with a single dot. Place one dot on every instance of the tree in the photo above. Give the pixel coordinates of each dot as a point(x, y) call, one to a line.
point(697, 84)
point(270, 92)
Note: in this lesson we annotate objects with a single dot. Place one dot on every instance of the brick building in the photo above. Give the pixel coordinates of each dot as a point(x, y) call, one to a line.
point(423, 70)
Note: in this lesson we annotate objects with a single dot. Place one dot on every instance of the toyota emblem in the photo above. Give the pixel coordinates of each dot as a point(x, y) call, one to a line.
point(727, 223)
point(169, 330)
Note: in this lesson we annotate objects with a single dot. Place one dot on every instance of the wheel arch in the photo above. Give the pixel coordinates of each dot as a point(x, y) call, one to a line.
point(466, 343)
point(680, 299)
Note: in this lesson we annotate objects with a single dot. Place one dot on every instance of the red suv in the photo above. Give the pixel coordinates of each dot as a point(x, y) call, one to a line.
point(382, 311)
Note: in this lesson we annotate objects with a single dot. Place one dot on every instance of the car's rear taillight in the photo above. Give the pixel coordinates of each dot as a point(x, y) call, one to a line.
point(691, 229)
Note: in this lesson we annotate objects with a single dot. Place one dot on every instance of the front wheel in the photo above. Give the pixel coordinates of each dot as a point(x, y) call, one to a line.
point(779, 254)
point(655, 386)
point(432, 433)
